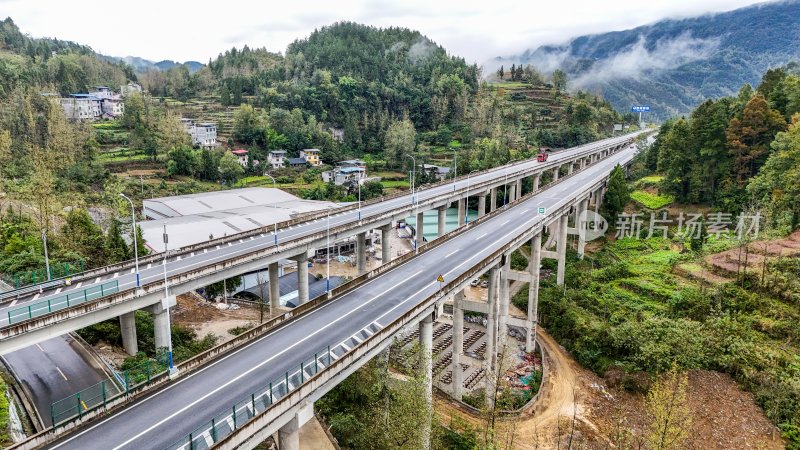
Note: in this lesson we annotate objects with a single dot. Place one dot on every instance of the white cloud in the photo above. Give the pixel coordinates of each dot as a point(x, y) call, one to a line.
point(637, 60)
point(200, 30)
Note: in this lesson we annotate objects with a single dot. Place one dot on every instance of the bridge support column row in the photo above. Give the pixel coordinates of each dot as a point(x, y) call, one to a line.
point(426, 365)
point(127, 325)
point(493, 199)
point(458, 345)
point(536, 179)
point(481, 205)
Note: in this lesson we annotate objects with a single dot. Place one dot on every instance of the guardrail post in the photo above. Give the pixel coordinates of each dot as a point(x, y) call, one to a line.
point(271, 400)
point(287, 381)
point(329, 355)
point(213, 430)
point(80, 410)
point(191, 441)
point(302, 374)
point(253, 399)
point(49, 307)
point(30, 313)
point(9, 317)
point(103, 385)
point(101, 290)
point(316, 363)
point(234, 416)
point(52, 416)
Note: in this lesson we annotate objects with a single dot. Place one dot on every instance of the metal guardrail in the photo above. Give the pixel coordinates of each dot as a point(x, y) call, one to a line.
point(593, 147)
point(221, 425)
point(65, 301)
point(192, 364)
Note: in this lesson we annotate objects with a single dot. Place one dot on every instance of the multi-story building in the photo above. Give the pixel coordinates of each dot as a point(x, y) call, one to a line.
point(350, 171)
point(203, 134)
point(241, 156)
point(311, 155)
point(130, 88)
point(102, 102)
point(276, 159)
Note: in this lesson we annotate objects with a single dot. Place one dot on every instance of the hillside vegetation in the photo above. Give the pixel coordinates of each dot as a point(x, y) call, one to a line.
point(674, 65)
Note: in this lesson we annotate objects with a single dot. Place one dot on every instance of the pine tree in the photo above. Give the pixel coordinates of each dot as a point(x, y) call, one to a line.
point(749, 137)
point(513, 72)
point(617, 195)
point(115, 247)
point(500, 72)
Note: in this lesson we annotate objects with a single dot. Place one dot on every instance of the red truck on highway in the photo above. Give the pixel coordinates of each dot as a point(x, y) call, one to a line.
point(542, 157)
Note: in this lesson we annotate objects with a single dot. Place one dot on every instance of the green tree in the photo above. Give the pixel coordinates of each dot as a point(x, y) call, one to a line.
point(668, 409)
point(82, 236)
point(559, 78)
point(248, 126)
point(617, 195)
point(229, 169)
point(500, 72)
point(115, 247)
point(749, 137)
point(776, 185)
point(400, 141)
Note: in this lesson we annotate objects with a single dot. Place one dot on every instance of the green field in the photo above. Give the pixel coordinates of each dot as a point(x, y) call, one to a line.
point(651, 201)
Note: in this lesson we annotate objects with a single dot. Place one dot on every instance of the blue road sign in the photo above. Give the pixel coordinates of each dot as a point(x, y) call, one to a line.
point(642, 108)
point(541, 210)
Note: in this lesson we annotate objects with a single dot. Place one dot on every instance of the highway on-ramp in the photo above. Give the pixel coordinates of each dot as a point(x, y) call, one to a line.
point(158, 420)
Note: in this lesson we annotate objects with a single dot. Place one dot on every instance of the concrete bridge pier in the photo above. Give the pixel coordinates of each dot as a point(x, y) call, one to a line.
point(503, 301)
point(561, 249)
point(274, 288)
point(426, 365)
point(386, 249)
point(512, 193)
point(580, 225)
point(490, 356)
point(462, 210)
point(493, 199)
point(361, 253)
point(441, 220)
point(533, 293)
point(536, 180)
point(519, 189)
point(302, 278)
point(481, 204)
point(458, 345)
point(289, 433)
point(127, 325)
point(161, 322)
point(419, 234)
point(570, 167)
point(555, 174)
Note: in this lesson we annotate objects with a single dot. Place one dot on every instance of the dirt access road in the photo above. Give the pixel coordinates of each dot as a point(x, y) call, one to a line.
point(537, 427)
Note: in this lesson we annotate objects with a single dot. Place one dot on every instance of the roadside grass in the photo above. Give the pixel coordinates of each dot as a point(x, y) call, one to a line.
point(651, 201)
point(395, 184)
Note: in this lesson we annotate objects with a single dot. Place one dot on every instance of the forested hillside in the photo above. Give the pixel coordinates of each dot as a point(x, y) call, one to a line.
point(738, 152)
point(674, 65)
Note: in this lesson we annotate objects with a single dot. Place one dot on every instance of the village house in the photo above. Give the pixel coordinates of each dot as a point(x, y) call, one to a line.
point(241, 156)
point(312, 156)
point(203, 135)
point(276, 158)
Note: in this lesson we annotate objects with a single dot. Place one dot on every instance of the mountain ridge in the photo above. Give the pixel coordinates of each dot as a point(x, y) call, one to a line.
point(675, 64)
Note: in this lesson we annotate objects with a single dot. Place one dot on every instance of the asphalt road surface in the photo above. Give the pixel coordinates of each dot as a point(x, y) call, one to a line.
point(53, 370)
point(159, 420)
point(176, 265)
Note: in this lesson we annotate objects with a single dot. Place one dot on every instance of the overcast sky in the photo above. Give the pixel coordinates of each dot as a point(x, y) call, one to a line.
point(199, 30)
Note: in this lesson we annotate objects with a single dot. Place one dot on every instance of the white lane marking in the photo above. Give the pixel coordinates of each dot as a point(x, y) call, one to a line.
point(116, 274)
point(96, 280)
point(484, 234)
point(451, 253)
point(13, 303)
point(62, 374)
point(40, 347)
point(252, 369)
point(230, 244)
point(509, 220)
point(205, 250)
point(149, 265)
point(192, 254)
point(58, 291)
point(36, 296)
point(80, 284)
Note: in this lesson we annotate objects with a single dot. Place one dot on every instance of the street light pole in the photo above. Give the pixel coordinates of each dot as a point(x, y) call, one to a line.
point(413, 201)
point(328, 256)
point(166, 297)
point(413, 177)
point(455, 169)
point(359, 199)
point(135, 243)
point(274, 186)
point(46, 257)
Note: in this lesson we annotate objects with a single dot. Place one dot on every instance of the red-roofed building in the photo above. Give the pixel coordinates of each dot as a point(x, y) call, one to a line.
point(241, 156)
